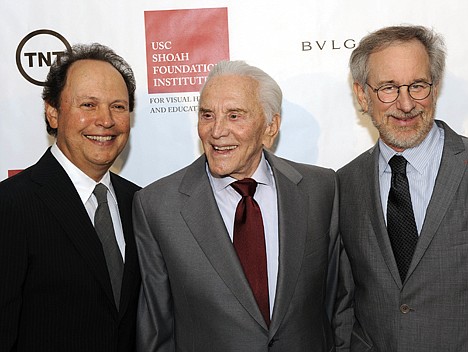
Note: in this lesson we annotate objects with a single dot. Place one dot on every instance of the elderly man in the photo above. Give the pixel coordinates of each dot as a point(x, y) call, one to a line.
point(69, 275)
point(403, 206)
point(234, 248)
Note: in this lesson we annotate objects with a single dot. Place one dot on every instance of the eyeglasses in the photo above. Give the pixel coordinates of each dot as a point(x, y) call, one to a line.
point(388, 93)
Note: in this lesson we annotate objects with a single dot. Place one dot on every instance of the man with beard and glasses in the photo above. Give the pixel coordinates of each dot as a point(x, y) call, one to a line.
point(403, 206)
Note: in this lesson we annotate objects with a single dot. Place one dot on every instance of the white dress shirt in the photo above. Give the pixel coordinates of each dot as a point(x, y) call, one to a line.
point(227, 199)
point(84, 185)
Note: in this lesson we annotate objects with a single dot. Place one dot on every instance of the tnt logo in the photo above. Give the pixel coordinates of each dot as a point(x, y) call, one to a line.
point(36, 53)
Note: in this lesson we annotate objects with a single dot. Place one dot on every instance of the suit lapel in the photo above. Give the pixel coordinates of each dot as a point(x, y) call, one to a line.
point(376, 215)
point(62, 199)
point(452, 168)
point(213, 237)
point(293, 214)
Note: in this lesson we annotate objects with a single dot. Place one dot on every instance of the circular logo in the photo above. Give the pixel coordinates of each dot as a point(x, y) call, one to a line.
point(36, 53)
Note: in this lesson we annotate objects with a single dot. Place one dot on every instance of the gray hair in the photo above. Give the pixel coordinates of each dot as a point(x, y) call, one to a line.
point(269, 92)
point(385, 37)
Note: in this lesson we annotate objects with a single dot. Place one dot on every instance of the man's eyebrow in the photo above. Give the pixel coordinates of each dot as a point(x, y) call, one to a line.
point(90, 97)
point(120, 101)
point(237, 109)
point(202, 109)
point(382, 83)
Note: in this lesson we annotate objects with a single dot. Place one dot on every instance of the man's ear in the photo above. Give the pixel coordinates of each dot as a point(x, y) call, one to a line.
point(52, 115)
point(271, 131)
point(361, 96)
point(435, 91)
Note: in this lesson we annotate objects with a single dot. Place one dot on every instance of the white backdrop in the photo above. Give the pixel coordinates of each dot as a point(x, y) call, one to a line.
point(321, 124)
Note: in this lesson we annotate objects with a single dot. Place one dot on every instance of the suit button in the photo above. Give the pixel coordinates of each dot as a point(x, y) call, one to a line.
point(404, 308)
point(272, 342)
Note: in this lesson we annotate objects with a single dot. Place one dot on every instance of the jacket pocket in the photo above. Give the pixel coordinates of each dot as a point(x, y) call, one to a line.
point(359, 340)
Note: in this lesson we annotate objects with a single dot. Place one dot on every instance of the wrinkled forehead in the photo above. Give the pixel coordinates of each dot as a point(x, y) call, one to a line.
point(400, 62)
point(229, 89)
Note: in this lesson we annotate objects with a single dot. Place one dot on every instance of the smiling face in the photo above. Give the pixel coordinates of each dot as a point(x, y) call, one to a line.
point(93, 121)
point(232, 126)
point(405, 122)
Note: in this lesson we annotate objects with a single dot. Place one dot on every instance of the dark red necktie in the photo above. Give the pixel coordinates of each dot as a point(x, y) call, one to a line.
point(249, 242)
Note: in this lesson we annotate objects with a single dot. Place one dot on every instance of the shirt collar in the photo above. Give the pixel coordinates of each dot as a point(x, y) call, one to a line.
point(414, 156)
point(263, 175)
point(83, 183)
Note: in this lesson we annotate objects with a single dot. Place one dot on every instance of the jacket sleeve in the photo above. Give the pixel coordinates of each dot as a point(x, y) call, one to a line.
point(155, 317)
point(13, 269)
point(343, 318)
point(333, 256)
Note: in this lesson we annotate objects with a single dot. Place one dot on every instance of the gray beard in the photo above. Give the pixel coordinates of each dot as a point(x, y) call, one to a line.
point(392, 136)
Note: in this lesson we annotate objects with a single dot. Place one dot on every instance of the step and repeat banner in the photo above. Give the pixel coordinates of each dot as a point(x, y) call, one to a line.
point(172, 45)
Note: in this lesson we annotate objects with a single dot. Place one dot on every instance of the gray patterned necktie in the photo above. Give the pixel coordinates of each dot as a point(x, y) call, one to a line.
point(105, 230)
point(401, 225)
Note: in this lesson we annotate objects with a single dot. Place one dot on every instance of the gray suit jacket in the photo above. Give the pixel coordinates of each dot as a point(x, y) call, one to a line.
point(195, 296)
point(429, 311)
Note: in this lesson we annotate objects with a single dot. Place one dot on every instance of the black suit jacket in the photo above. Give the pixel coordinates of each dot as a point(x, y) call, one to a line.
point(55, 291)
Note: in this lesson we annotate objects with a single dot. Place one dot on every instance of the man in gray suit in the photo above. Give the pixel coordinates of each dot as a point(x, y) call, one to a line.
point(403, 283)
point(197, 293)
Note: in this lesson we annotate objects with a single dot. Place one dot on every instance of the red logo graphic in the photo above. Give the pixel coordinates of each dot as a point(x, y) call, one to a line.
point(182, 46)
point(13, 172)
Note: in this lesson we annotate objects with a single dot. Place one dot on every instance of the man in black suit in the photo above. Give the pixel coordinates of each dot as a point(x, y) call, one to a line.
point(58, 288)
